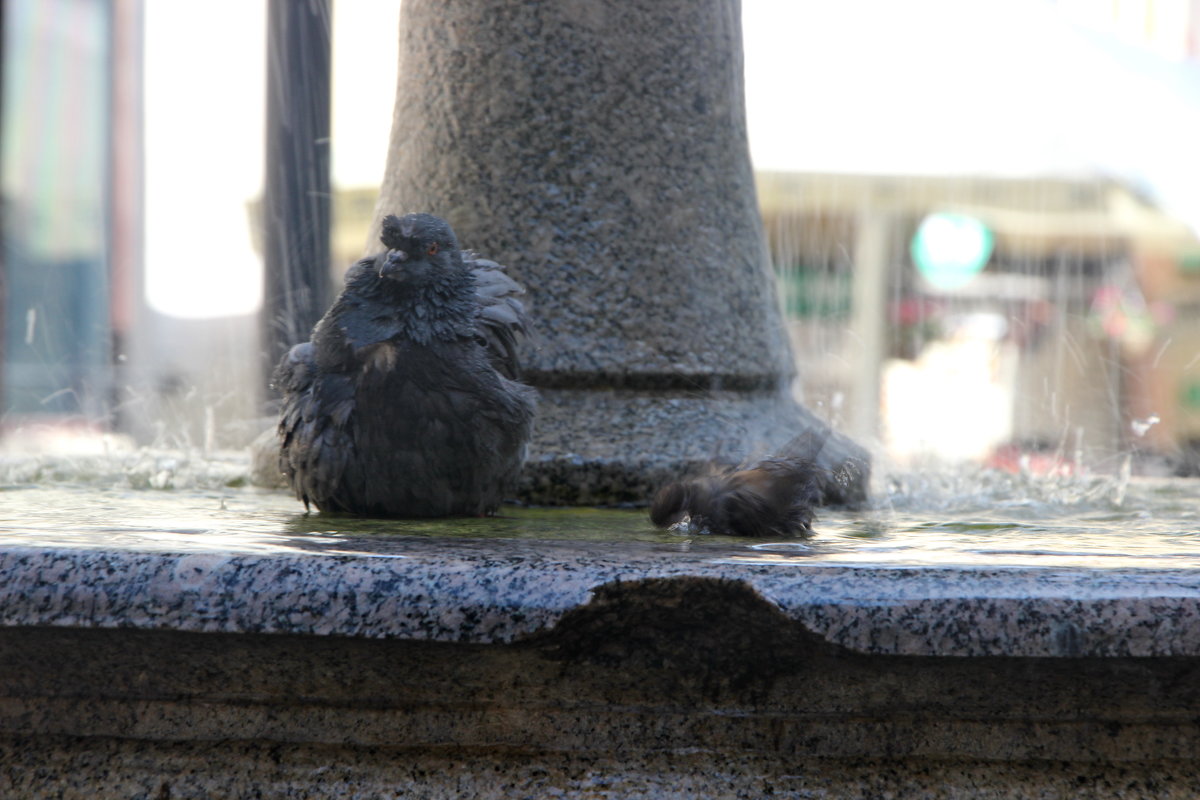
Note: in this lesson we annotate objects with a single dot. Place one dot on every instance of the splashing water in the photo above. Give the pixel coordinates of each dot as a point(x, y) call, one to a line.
point(182, 501)
point(1141, 427)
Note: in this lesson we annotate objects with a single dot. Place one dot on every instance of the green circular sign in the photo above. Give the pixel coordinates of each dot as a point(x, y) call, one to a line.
point(951, 249)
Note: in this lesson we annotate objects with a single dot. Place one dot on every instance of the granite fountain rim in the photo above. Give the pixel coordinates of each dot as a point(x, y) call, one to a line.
point(504, 591)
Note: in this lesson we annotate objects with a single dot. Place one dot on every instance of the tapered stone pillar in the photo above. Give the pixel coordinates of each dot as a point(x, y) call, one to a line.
point(598, 148)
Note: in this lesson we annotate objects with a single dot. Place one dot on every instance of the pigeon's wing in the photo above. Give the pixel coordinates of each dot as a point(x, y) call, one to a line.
point(501, 313)
point(805, 446)
point(841, 483)
point(316, 443)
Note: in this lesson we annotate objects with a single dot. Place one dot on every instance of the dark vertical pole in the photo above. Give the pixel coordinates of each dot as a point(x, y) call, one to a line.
point(296, 208)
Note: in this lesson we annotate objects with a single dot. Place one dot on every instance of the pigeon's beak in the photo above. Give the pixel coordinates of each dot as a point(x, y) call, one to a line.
point(393, 265)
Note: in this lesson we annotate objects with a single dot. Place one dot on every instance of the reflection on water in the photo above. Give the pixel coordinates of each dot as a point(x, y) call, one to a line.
point(929, 518)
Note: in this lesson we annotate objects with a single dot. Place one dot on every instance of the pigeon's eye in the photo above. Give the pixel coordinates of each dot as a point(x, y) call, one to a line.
point(433, 249)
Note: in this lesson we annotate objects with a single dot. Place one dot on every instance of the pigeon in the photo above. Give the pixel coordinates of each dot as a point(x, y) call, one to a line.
point(406, 401)
point(773, 497)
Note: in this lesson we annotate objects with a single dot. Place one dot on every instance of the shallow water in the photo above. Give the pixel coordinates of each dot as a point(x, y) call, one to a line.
point(179, 503)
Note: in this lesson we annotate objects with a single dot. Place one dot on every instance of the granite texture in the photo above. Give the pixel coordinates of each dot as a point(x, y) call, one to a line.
point(605, 446)
point(295, 772)
point(500, 591)
point(655, 710)
point(598, 149)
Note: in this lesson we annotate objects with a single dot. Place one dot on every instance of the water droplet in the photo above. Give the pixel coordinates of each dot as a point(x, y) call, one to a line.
point(1140, 426)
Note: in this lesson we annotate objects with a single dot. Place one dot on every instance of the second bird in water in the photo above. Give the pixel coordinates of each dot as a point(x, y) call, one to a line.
point(772, 497)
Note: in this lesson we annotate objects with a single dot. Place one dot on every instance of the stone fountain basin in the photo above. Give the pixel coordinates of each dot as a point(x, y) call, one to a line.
point(250, 562)
point(236, 642)
point(489, 591)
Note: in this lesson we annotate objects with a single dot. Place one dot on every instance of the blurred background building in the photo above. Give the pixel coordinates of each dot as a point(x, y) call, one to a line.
point(983, 216)
point(58, 160)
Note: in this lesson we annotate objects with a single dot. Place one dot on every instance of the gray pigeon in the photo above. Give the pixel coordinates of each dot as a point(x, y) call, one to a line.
point(406, 401)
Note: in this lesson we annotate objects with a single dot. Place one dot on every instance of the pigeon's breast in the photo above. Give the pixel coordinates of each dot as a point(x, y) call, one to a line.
point(403, 387)
point(436, 430)
point(380, 357)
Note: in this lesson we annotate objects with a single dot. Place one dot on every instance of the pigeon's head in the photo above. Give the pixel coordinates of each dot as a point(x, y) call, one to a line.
point(676, 507)
point(420, 248)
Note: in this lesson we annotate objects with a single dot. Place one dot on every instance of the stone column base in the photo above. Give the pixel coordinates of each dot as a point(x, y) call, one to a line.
point(669, 434)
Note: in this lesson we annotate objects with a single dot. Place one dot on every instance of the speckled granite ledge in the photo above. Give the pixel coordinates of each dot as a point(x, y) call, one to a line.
point(500, 591)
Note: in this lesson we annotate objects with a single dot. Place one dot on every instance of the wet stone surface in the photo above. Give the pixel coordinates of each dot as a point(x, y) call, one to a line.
point(248, 562)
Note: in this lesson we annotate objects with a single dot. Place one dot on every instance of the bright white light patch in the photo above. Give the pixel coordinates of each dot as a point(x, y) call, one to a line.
point(204, 92)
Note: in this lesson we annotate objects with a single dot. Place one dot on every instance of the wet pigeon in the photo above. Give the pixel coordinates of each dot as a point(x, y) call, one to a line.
point(405, 403)
point(775, 496)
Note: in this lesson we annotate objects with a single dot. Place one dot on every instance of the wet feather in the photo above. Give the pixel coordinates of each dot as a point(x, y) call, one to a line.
point(772, 497)
point(405, 401)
